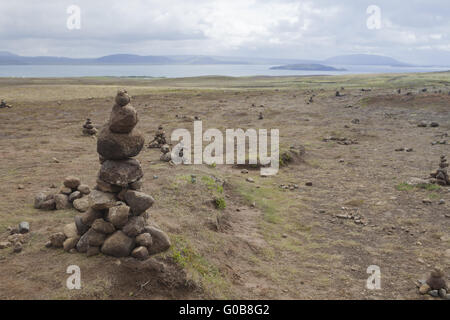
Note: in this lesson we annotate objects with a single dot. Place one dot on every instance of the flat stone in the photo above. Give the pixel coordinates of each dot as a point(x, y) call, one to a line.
point(134, 226)
point(90, 216)
point(121, 173)
point(118, 215)
point(62, 202)
point(102, 226)
point(107, 187)
point(101, 200)
point(82, 205)
point(118, 245)
point(72, 182)
point(140, 253)
point(138, 202)
point(123, 119)
point(160, 239)
point(119, 146)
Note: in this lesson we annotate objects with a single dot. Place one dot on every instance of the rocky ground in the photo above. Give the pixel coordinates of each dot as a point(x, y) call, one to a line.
point(310, 232)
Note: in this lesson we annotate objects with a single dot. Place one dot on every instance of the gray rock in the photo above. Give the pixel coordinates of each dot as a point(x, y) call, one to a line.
point(57, 239)
point(118, 215)
point(90, 238)
point(434, 293)
point(134, 226)
point(39, 200)
point(24, 227)
point(160, 239)
point(118, 245)
point(81, 227)
point(138, 202)
point(140, 253)
point(84, 189)
point(121, 173)
point(119, 146)
point(123, 119)
point(101, 200)
point(90, 216)
point(74, 196)
point(72, 182)
point(48, 205)
point(102, 226)
point(144, 239)
point(82, 205)
point(62, 202)
point(442, 293)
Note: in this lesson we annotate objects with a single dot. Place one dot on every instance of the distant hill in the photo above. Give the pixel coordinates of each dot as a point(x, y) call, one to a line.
point(8, 58)
point(307, 67)
point(365, 59)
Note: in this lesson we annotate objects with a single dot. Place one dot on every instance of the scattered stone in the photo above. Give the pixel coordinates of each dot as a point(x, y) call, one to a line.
point(251, 180)
point(5, 244)
point(433, 293)
point(17, 247)
point(57, 240)
point(422, 124)
point(309, 184)
point(434, 124)
point(24, 227)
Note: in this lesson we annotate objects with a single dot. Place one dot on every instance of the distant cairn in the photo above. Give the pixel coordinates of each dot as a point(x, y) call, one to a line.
point(116, 223)
point(159, 140)
point(89, 129)
point(441, 175)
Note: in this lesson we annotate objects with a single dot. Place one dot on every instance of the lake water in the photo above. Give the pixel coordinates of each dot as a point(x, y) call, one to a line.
point(178, 71)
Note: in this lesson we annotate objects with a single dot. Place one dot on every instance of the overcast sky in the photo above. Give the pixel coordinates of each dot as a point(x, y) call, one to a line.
point(415, 31)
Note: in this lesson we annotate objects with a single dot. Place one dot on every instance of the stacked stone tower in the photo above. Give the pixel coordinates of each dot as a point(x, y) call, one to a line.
point(441, 175)
point(88, 128)
point(116, 222)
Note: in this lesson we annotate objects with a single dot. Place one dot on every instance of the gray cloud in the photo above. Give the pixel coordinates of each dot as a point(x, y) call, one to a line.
point(416, 31)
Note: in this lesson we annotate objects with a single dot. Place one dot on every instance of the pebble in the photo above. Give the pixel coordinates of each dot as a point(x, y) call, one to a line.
point(309, 184)
point(442, 293)
point(434, 293)
point(441, 202)
point(24, 227)
point(17, 247)
point(424, 289)
point(426, 201)
point(155, 177)
point(20, 187)
point(250, 180)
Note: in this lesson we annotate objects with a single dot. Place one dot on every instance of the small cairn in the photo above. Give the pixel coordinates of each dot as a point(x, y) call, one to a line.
point(71, 195)
point(435, 285)
point(116, 222)
point(441, 175)
point(159, 140)
point(166, 153)
point(89, 129)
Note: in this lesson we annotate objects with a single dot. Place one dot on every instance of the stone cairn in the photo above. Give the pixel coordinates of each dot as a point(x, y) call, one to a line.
point(89, 129)
point(441, 175)
point(166, 153)
point(71, 194)
point(3, 104)
point(159, 140)
point(116, 222)
point(435, 285)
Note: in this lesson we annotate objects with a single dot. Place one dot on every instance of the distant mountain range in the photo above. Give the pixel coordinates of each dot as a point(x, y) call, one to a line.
point(7, 58)
point(307, 67)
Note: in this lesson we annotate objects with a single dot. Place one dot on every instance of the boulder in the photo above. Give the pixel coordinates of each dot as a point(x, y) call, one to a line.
point(101, 200)
point(57, 239)
point(24, 227)
point(144, 239)
point(118, 245)
point(70, 243)
point(118, 215)
point(119, 146)
point(84, 189)
point(160, 239)
point(62, 202)
point(121, 173)
point(122, 98)
point(70, 230)
point(102, 226)
point(82, 204)
point(134, 226)
point(90, 216)
point(72, 182)
point(138, 202)
point(90, 238)
point(48, 205)
point(123, 119)
point(140, 253)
